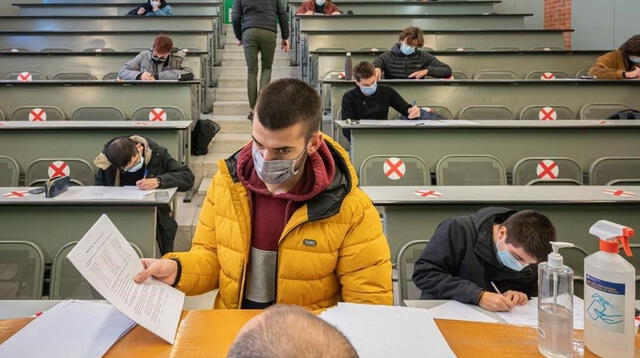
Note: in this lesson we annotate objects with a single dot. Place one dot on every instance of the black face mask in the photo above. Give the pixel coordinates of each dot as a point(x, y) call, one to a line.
point(158, 60)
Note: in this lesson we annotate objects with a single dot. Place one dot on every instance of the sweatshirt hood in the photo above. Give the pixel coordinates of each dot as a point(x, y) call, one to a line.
point(319, 172)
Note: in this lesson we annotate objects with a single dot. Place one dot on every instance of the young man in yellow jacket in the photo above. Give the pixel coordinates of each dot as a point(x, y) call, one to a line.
point(284, 220)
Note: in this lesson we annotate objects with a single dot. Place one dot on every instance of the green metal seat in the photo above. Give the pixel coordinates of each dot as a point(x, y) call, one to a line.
point(40, 170)
point(470, 170)
point(488, 112)
point(38, 113)
point(547, 171)
point(546, 113)
point(490, 74)
point(98, 114)
point(9, 172)
point(614, 170)
point(21, 270)
point(160, 113)
point(394, 170)
point(407, 256)
point(601, 110)
point(74, 76)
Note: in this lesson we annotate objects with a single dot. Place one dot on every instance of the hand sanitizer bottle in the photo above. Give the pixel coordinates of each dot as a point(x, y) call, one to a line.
point(609, 294)
point(555, 305)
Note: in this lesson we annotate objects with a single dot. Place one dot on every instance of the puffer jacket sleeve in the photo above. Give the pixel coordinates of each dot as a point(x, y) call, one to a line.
point(364, 265)
point(200, 265)
point(607, 67)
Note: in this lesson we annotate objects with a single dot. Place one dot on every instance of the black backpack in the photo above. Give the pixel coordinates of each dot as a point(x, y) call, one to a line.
point(201, 136)
point(627, 114)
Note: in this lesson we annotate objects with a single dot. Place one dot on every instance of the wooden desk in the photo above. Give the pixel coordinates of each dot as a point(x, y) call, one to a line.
point(210, 334)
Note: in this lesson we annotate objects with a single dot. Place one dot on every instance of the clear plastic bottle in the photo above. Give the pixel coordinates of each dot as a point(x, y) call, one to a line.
point(609, 294)
point(555, 305)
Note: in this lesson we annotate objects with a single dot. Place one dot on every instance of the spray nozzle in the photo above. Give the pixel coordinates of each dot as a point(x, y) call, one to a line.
point(554, 258)
point(611, 234)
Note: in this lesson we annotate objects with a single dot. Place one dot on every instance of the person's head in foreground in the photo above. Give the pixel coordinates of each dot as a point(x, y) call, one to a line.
point(286, 131)
point(523, 239)
point(286, 331)
point(365, 76)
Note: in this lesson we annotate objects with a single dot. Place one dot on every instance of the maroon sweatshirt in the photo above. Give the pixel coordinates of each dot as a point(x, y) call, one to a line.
point(269, 216)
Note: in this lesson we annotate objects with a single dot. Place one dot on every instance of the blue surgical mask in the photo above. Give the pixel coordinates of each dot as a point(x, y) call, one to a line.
point(507, 259)
point(137, 166)
point(320, 2)
point(635, 60)
point(368, 90)
point(406, 49)
point(275, 171)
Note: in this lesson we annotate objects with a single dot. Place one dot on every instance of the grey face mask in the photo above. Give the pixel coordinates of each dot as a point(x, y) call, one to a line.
point(275, 171)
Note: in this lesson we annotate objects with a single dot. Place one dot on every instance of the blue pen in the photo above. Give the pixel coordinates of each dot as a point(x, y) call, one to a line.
point(146, 172)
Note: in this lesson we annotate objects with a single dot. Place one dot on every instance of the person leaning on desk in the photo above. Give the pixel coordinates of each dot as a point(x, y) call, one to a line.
point(471, 257)
point(136, 160)
point(284, 220)
point(161, 62)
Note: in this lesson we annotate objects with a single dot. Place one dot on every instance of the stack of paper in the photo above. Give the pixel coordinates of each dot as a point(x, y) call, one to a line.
point(389, 331)
point(109, 263)
point(69, 329)
point(527, 315)
point(460, 311)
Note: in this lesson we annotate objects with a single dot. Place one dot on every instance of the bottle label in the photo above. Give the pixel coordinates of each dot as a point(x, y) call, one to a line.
point(605, 303)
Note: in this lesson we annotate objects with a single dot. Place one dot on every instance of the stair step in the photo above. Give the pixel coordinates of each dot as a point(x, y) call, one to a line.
point(231, 94)
point(231, 108)
point(239, 124)
point(204, 186)
point(210, 165)
point(224, 143)
point(241, 71)
point(241, 62)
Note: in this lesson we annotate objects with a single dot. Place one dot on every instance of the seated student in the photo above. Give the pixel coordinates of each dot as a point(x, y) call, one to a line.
point(311, 7)
point(162, 62)
point(284, 220)
point(621, 63)
point(152, 8)
point(136, 160)
point(287, 331)
point(494, 245)
point(370, 100)
point(405, 60)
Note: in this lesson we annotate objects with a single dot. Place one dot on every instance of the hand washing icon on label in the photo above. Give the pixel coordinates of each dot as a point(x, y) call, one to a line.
point(601, 309)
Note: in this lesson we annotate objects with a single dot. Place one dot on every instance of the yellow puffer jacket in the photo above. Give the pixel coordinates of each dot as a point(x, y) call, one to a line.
point(350, 262)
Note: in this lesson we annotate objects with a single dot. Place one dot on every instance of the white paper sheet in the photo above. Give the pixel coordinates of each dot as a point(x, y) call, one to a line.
point(389, 331)
point(527, 315)
point(71, 329)
point(461, 312)
point(109, 263)
point(106, 193)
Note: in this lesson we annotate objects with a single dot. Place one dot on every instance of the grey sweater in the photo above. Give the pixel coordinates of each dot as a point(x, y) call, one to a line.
point(171, 69)
point(261, 14)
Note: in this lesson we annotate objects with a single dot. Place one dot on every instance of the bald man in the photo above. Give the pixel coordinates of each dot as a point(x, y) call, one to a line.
point(287, 331)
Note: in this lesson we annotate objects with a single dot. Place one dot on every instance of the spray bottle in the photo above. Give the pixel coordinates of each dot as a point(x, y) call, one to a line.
point(609, 293)
point(555, 305)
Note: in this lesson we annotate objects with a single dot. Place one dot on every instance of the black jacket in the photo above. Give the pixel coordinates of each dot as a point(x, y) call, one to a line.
point(158, 162)
point(261, 14)
point(460, 261)
point(356, 105)
point(396, 65)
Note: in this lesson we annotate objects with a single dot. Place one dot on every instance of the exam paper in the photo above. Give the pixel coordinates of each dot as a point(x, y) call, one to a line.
point(109, 263)
point(527, 315)
point(70, 329)
point(389, 331)
point(460, 311)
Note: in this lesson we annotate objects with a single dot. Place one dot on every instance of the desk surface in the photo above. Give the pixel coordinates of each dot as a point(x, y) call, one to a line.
point(85, 125)
point(8, 83)
point(78, 196)
point(483, 124)
point(85, 53)
point(416, 16)
point(438, 82)
point(411, 3)
point(502, 195)
point(210, 333)
point(116, 4)
point(441, 32)
point(374, 51)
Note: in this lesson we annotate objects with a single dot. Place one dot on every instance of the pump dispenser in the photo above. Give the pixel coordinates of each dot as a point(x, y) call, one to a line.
point(609, 293)
point(555, 305)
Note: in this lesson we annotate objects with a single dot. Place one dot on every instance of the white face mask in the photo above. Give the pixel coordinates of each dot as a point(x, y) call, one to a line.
point(275, 171)
point(137, 166)
point(155, 3)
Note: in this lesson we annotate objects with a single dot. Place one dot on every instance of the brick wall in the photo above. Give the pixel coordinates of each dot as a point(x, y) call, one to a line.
point(557, 15)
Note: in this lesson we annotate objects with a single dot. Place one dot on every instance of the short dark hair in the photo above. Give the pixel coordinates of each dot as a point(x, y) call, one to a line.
point(631, 47)
point(413, 35)
point(163, 43)
point(532, 231)
point(287, 331)
point(363, 70)
point(120, 151)
point(286, 102)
